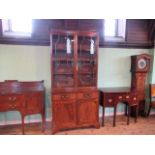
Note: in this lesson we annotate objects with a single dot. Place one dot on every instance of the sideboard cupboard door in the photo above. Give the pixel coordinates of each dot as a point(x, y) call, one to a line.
point(64, 114)
point(87, 111)
point(33, 103)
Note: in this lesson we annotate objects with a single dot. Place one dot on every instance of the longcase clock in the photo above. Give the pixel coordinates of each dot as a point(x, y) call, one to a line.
point(140, 66)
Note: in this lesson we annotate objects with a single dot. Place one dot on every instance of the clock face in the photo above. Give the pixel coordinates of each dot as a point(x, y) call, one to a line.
point(141, 63)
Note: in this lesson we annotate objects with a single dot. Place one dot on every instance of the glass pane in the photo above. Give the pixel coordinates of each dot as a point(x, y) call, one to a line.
point(21, 25)
point(110, 27)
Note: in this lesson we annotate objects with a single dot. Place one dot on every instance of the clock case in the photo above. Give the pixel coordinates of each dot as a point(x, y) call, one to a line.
point(134, 63)
point(138, 80)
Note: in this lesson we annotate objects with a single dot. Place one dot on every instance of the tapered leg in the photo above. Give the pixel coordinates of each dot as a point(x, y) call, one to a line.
point(149, 110)
point(23, 125)
point(137, 109)
point(103, 116)
point(43, 122)
point(126, 109)
point(129, 110)
point(114, 119)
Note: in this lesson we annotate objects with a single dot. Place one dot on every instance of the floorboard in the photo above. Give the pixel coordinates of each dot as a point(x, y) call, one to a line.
point(144, 126)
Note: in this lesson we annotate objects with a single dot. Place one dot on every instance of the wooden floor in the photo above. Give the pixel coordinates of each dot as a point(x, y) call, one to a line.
point(144, 126)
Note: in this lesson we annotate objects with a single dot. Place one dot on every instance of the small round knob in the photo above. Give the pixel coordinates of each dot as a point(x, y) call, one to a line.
point(134, 98)
point(87, 95)
point(127, 96)
point(64, 96)
point(109, 100)
point(14, 98)
point(120, 97)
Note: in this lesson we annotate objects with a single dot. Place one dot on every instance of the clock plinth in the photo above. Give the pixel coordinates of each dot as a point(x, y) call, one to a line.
point(140, 66)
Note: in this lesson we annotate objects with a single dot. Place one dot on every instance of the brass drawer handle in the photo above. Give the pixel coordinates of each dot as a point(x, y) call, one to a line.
point(87, 95)
point(120, 97)
point(14, 98)
point(64, 96)
point(109, 100)
point(127, 96)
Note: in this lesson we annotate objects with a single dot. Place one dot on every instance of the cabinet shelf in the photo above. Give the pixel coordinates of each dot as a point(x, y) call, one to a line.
point(87, 59)
point(60, 46)
point(62, 59)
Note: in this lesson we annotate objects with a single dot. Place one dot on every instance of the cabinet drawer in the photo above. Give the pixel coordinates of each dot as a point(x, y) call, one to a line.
point(88, 95)
point(65, 96)
point(9, 106)
point(11, 102)
point(122, 97)
point(134, 100)
point(108, 100)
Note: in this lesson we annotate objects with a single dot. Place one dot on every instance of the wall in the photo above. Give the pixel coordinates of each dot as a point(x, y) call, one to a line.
point(33, 63)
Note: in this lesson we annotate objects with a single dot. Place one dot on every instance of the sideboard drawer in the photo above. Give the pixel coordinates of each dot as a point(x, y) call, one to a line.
point(64, 96)
point(10, 102)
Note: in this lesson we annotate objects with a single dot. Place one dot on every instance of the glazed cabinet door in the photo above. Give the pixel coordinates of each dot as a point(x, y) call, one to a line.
point(64, 114)
point(87, 111)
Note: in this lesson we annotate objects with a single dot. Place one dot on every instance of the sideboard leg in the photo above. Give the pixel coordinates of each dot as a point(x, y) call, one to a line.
point(43, 122)
point(114, 119)
point(137, 109)
point(103, 113)
point(129, 110)
point(23, 125)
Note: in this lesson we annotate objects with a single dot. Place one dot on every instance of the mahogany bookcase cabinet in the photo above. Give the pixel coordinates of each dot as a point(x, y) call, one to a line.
point(74, 65)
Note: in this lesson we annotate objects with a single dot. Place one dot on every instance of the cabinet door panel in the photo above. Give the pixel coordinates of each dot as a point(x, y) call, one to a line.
point(65, 114)
point(33, 103)
point(87, 111)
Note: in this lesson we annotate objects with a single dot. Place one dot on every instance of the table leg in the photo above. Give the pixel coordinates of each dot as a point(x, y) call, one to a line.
point(103, 113)
point(43, 121)
point(129, 110)
point(114, 119)
point(137, 109)
point(23, 125)
point(126, 109)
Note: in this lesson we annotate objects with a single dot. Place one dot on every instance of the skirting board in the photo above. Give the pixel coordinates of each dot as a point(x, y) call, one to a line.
point(2, 123)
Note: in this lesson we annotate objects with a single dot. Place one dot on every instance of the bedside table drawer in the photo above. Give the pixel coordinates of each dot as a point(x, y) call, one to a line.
point(109, 100)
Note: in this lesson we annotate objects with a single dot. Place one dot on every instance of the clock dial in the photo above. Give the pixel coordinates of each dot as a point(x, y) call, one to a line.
point(141, 63)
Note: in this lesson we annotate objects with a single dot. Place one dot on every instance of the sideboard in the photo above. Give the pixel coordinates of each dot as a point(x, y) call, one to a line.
point(27, 97)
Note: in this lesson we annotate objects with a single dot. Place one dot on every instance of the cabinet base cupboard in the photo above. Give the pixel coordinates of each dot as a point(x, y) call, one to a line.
point(75, 98)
